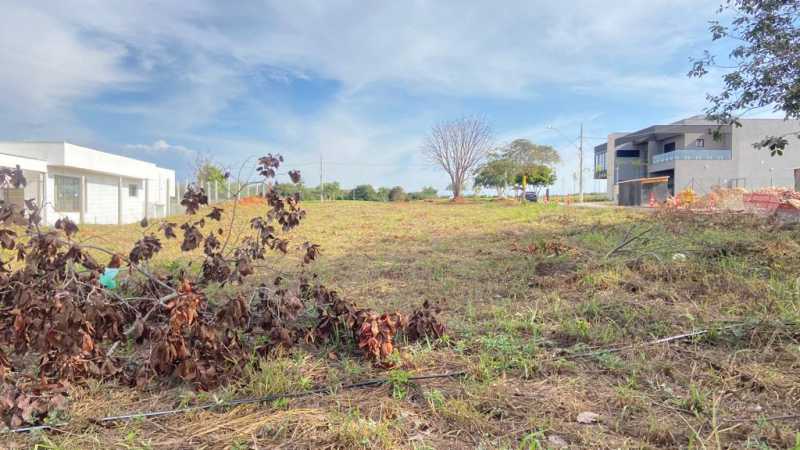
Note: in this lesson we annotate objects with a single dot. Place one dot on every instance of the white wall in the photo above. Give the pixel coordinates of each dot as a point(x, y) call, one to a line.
point(102, 172)
point(51, 152)
point(101, 197)
point(132, 207)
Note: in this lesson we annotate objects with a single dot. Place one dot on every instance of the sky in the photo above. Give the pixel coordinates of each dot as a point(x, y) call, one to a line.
point(356, 84)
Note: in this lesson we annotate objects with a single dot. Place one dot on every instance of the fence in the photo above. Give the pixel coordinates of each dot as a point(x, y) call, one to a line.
point(705, 185)
point(218, 192)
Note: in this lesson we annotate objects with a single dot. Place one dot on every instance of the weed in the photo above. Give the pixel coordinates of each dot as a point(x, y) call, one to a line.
point(399, 383)
point(610, 361)
point(264, 377)
point(532, 441)
point(435, 399)
point(357, 432)
point(697, 400)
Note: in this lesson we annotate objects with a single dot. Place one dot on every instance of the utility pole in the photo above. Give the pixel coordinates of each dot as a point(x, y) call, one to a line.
point(580, 167)
point(321, 185)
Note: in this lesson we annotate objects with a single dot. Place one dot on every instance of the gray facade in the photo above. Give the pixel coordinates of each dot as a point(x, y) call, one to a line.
point(699, 154)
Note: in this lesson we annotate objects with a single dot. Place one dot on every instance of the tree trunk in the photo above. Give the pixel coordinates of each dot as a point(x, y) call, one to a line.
point(456, 182)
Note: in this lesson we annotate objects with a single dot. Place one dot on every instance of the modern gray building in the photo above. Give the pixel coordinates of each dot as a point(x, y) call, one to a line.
point(700, 154)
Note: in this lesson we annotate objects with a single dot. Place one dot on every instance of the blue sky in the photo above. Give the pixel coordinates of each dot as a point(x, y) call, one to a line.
point(360, 83)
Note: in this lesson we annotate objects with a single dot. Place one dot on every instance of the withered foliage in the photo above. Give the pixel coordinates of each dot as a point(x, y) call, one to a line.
point(194, 198)
point(425, 323)
point(144, 249)
point(31, 402)
point(59, 325)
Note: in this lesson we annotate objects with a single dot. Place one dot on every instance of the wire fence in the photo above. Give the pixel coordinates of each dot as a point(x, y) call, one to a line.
point(219, 192)
point(705, 185)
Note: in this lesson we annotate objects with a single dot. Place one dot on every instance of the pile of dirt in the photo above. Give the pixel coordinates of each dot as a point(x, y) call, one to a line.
point(252, 200)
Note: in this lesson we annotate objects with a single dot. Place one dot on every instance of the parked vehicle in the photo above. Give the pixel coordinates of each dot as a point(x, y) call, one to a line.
point(531, 197)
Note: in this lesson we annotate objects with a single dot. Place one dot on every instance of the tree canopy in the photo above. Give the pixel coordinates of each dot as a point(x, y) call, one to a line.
point(426, 192)
point(523, 151)
point(763, 68)
point(397, 194)
point(537, 176)
point(497, 173)
point(207, 171)
point(364, 192)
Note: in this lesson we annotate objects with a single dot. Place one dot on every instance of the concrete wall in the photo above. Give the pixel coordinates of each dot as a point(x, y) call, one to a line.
point(703, 176)
point(687, 140)
point(756, 165)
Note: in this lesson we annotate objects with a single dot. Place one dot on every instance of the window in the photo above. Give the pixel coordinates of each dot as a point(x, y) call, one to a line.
point(599, 164)
point(669, 147)
point(700, 143)
point(133, 190)
point(627, 153)
point(68, 193)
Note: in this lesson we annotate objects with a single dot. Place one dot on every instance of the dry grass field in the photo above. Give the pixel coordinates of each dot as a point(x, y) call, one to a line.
point(546, 320)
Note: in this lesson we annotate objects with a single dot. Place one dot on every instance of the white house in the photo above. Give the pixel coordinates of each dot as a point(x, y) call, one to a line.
point(86, 185)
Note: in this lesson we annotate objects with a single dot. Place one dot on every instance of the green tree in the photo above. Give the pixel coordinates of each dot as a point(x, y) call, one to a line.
point(497, 173)
point(427, 192)
point(524, 152)
point(291, 188)
point(333, 190)
point(382, 195)
point(537, 176)
point(397, 194)
point(365, 192)
point(762, 68)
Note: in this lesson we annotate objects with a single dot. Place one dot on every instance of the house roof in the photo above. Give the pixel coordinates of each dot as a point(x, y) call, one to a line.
point(33, 164)
point(64, 154)
point(659, 132)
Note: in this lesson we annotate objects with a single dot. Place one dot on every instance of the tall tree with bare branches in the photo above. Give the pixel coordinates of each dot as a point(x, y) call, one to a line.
point(458, 147)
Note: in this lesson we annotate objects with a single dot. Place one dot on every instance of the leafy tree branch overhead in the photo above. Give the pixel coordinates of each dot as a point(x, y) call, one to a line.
point(764, 66)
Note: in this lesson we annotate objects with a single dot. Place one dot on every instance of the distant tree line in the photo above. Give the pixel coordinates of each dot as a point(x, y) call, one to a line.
point(208, 172)
point(363, 192)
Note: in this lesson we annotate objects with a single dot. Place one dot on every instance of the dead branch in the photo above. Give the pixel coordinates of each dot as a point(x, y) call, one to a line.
point(628, 240)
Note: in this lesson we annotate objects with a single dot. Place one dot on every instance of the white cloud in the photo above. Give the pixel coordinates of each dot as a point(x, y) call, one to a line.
point(162, 146)
point(186, 63)
point(47, 66)
point(464, 48)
